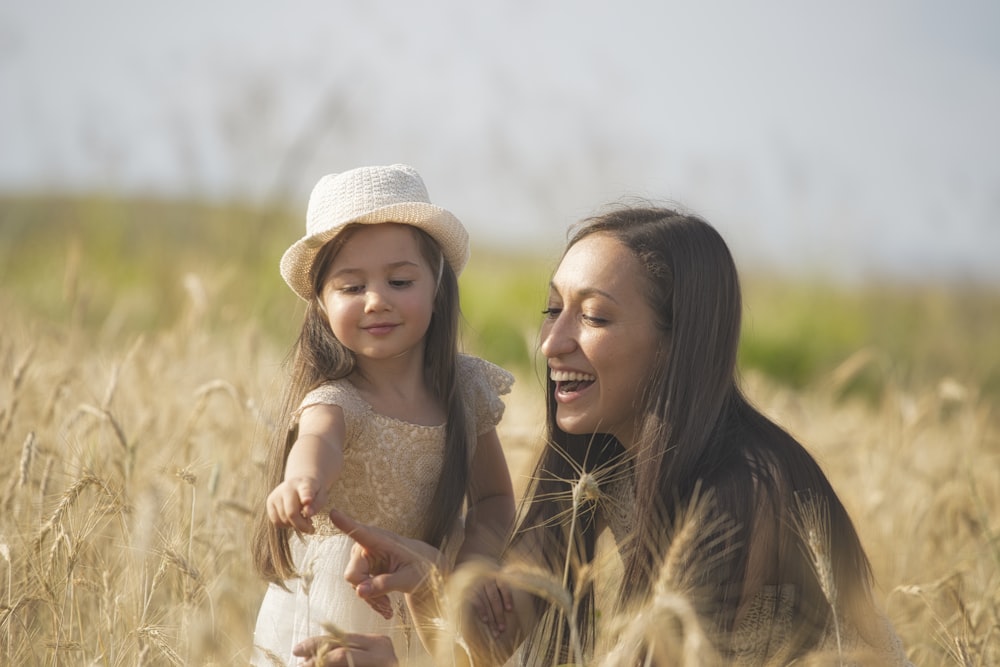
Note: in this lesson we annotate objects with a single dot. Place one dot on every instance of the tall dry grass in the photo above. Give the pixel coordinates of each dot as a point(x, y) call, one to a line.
point(128, 498)
point(132, 473)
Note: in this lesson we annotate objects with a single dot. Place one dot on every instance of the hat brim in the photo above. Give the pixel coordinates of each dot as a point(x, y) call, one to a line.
point(441, 224)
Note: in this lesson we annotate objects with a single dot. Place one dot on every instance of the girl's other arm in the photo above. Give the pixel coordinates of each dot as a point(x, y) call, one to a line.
point(491, 502)
point(314, 462)
point(487, 527)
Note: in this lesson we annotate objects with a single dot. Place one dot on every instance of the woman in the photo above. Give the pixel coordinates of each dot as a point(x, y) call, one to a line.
point(733, 546)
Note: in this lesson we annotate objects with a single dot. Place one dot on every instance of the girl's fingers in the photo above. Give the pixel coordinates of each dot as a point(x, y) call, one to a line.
point(272, 512)
point(293, 514)
point(306, 494)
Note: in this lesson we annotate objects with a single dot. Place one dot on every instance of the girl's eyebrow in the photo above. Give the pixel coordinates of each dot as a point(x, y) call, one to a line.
point(587, 292)
point(388, 267)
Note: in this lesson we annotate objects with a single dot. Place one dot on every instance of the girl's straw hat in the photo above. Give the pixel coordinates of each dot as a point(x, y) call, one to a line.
point(370, 195)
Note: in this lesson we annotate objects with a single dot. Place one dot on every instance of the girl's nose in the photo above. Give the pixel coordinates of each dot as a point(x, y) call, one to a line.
point(375, 301)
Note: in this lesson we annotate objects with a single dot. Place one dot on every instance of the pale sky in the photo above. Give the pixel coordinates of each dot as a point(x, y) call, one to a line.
point(856, 139)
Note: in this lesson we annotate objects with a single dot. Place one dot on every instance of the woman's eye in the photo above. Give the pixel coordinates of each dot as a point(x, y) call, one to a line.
point(596, 321)
point(551, 312)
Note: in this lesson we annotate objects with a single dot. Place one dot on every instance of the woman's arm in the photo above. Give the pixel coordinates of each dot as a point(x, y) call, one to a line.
point(313, 464)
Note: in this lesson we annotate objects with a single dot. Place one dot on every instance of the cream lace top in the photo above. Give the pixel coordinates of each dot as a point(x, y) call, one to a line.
point(391, 467)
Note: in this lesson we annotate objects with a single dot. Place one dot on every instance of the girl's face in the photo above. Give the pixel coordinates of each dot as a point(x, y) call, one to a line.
point(378, 292)
point(599, 337)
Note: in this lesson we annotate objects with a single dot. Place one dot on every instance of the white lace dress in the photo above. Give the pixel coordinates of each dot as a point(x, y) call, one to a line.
point(390, 471)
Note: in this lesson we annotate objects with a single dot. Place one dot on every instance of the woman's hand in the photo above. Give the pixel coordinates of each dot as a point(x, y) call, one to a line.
point(492, 600)
point(350, 650)
point(293, 503)
point(383, 562)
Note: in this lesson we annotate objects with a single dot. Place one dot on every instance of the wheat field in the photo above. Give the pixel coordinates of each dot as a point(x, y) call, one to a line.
point(134, 466)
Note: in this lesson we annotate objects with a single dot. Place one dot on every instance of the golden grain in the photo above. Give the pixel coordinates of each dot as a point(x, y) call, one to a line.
point(916, 469)
point(812, 522)
point(27, 456)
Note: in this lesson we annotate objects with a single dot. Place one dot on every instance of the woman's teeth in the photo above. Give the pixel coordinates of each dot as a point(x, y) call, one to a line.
point(568, 376)
point(569, 382)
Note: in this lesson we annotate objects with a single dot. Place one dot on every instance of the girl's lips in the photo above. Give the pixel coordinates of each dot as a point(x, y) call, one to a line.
point(380, 329)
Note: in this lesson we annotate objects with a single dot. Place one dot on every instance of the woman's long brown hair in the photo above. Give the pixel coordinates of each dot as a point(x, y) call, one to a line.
point(696, 434)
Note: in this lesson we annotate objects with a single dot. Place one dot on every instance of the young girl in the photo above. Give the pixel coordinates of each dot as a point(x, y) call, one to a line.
point(388, 421)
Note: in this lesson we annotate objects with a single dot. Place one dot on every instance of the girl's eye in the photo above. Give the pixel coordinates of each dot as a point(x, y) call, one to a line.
point(350, 289)
point(400, 283)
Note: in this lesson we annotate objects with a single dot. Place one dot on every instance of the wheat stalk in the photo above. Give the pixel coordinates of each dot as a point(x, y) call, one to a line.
point(68, 499)
point(158, 576)
point(156, 637)
point(17, 376)
point(27, 456)
point(666, 627)
point(812, 522)
point(5, 552)
point(190, 572)
point(335, 637)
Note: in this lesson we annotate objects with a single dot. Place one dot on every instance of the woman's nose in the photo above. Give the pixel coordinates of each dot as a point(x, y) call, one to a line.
point(557, 339)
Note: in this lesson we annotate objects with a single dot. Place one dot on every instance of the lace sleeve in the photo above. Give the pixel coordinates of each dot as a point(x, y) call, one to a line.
point(482, 384)
point(340, 393)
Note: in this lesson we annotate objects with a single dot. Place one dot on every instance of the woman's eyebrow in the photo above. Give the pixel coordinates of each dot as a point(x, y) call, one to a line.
point(586, 292)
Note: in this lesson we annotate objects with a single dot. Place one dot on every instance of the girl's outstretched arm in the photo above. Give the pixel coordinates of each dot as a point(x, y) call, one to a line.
point(313, 464)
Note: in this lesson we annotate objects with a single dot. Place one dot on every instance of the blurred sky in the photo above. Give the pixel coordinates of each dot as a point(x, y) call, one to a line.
point(856, 139)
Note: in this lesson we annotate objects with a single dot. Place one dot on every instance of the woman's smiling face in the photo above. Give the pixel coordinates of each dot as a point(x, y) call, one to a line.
point(599, 337)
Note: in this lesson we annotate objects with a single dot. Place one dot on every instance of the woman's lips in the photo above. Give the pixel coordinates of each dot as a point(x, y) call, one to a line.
point(569, 384)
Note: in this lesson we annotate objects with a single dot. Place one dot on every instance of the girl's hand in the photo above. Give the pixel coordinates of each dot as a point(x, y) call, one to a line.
point(293, 503)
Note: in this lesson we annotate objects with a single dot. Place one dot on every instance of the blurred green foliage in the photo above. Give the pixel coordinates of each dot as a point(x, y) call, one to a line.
point(118, 266)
